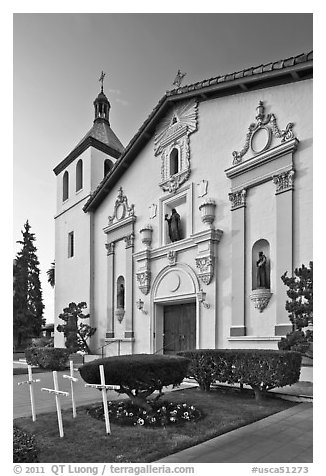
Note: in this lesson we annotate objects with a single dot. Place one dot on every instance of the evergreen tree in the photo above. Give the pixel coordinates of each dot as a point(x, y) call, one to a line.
point(27, 302)
point(51, 274)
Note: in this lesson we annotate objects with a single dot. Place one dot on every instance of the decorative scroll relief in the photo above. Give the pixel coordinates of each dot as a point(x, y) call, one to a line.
point(173, 133)
point(238, 199)
point(259, 135)
point(144, 281)
point(205, 264)
point(172, 257)
point(284, 181)
point(121, 209)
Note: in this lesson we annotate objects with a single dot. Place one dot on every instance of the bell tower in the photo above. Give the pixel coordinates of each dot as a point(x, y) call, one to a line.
point(78, 175)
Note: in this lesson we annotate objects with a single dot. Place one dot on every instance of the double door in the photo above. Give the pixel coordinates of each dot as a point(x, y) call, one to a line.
point(179, 328)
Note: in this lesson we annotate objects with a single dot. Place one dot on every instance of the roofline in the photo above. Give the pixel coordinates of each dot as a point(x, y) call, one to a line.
point(299, 68)
point(88, 142)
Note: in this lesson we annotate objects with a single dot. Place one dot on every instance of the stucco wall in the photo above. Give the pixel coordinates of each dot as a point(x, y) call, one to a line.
point(222, 127)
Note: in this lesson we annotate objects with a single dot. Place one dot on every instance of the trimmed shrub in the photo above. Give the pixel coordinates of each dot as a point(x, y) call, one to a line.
point(261, 369)
point(299, 341)
point(53, 358)
point(138, 375)
point(25, 449)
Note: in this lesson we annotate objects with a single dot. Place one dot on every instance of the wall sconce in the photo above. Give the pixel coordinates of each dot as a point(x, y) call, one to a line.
point(140, 306)
point(201, 298)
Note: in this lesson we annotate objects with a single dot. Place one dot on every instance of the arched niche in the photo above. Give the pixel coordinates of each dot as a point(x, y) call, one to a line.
point(120, 298)
point(261, 269)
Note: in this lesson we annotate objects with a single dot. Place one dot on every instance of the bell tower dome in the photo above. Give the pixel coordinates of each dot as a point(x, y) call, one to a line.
point(102, 105)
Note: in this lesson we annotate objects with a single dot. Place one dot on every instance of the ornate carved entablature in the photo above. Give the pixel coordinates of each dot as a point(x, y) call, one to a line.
point(238, 199)
point(121, 209)
point(260, 134)
point(172, 143)
point(284, 181)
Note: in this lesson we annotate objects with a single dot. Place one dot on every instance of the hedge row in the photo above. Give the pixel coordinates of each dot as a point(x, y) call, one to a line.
point(261, 369)
point(53, 358)
point(25, 449)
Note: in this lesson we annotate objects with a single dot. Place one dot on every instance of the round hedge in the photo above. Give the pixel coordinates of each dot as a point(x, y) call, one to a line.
point(137, 371)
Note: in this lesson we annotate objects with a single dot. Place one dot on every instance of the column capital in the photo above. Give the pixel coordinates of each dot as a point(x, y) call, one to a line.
point(238, 199)
point(110, 248)
point(284, 181)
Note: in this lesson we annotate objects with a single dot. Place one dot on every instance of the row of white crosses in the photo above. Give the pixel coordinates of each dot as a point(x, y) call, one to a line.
point(102, 386)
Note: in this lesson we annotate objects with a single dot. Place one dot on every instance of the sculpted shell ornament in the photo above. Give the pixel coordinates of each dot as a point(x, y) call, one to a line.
point(267, 122)
point(180, 120)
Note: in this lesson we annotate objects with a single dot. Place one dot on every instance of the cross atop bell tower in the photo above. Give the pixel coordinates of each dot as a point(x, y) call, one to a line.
point(102, 80)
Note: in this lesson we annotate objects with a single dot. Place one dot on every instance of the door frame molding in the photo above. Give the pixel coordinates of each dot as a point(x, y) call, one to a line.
point(157, 305)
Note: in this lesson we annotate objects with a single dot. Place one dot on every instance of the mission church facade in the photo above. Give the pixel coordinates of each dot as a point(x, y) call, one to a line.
point(179, 240)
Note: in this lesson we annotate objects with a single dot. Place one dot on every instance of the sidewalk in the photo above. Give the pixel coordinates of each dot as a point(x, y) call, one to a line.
point(285, 437)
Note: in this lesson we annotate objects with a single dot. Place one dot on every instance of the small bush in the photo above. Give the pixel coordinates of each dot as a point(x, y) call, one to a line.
point(53, 358)
point(261, 369)
point(138, 375)
point(25, 449)
point(42, 342)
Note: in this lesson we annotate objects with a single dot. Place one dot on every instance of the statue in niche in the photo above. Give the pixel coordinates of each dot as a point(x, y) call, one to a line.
point(174, 225)
point(121, 297)
point(261, 271)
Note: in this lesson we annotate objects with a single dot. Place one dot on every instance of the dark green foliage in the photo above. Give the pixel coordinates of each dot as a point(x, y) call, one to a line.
point(261, 369)
point(76, 333)
point(138, 375)
point(51, 274)
point(300, 292)
point(25, 449)
point(53, 358)
point(300, 308)
point(27, 301)
point(298, 341)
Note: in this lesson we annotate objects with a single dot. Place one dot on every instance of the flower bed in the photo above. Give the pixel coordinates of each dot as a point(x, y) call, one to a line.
point(164, 413)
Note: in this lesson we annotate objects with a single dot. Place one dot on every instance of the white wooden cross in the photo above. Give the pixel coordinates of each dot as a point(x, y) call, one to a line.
point(30, 382)
point(72, 380)
point(57, 393)
point(103, 389)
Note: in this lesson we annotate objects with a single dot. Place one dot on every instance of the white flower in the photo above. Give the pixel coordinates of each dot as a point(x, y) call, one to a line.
point(140, 421)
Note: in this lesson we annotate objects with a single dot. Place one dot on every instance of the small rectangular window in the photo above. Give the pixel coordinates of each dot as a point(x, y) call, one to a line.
point(71, 244)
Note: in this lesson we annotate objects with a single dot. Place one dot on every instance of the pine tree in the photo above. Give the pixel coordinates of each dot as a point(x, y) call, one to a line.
point(27, 302)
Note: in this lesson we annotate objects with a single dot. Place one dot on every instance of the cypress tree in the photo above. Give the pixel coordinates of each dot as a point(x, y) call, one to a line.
point(27, 302)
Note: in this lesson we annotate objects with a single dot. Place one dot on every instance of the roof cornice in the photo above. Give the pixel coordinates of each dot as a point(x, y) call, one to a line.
point(290, 70)
point(88, 142)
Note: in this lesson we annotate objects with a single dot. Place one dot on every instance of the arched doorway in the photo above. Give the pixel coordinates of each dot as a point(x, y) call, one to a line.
point(175, 310)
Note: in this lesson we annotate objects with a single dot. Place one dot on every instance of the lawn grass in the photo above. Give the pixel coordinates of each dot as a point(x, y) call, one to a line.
point(85, 440)
point(24, 370)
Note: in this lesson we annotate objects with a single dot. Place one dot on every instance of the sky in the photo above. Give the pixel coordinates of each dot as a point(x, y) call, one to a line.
point(58, 59)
